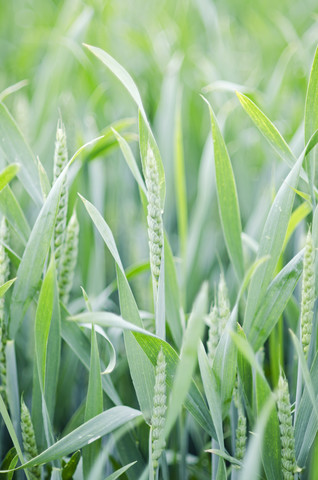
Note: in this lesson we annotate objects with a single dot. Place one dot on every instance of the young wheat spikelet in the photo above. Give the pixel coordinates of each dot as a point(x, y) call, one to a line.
point(4, 275)
point(28, 438)
point(223, 304)
point(69, 258)
point(214, 336)
point(308, 293)
point(159, 410)
point(289, 465)
point(154, 217)
point(240, 434)
point(60, 160)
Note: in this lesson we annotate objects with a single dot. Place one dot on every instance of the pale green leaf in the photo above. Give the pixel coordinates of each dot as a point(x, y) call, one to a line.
point(8, 173)
point(17, 151)
point(275, 300)
point(94, 404)
point(87, 433)
point(130, 160)
point(194, 401)
point(5, 287)
point(268, 129)
point(271, 242)
point(227, 198)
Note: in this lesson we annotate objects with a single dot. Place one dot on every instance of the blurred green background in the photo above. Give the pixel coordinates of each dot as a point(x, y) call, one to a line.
point(173, 50)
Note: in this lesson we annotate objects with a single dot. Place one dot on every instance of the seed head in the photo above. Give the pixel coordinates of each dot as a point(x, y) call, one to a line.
point(223, 304)
point(154, 217)
point(289, 465)
point(159, 410)
point(308, 293)
point(69, 259)
point(28, 438)
point(214, 335)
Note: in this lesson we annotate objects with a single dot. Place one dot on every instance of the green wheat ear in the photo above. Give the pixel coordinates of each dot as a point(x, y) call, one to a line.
point(28, 438)
point(4, 275)
point(154, 217)
point(223, 304)
point(214, 336)
point(241, 430)
point(69, 259)
point(289, 465)
point(308, 293)
point(60, 161)
point(159, 410)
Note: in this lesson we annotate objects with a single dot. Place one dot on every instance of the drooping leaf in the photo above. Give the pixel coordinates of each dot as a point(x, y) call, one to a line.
point(5, 287)
point(8, 173)
point(88, 432)
point(17, 151)
point(268, 129)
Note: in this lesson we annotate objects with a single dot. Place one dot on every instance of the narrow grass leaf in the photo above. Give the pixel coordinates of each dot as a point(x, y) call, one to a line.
point(104, 230)
point(212, 393)
point(246, 375)
point(43, 321)
point(118, 473)
point(13, 386)
point(271, 242)
point(12, 210)
point(12, 89)
point(311, 122)
point(9, 462)
point(226, 456)
point(130, 160)
point(94, 404)
point(194, 401)
point(8, 173)
point(188, 358)
point(227, 198)
point(225, 363)
point(172, 295)
point(268, 129)
point(271, 452)
point(16, 150)
point(88, 432)
point(145, 133)
point(252, 461)
point(69, 469)
point(306, 425)
point(44, 180)
point(120, 73)
point(5, 287)
point(6, 418)
point(180, 182)
point(141, 370)
point(305, 372)
point(275, 300)
point(112, 356)
point(297, 216)
point(53, 354)
point(79, 343)
point(36, 250)
point(109, 141)
point(107, 319)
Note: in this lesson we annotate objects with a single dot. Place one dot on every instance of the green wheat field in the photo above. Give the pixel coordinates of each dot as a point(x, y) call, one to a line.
point(158, 239)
